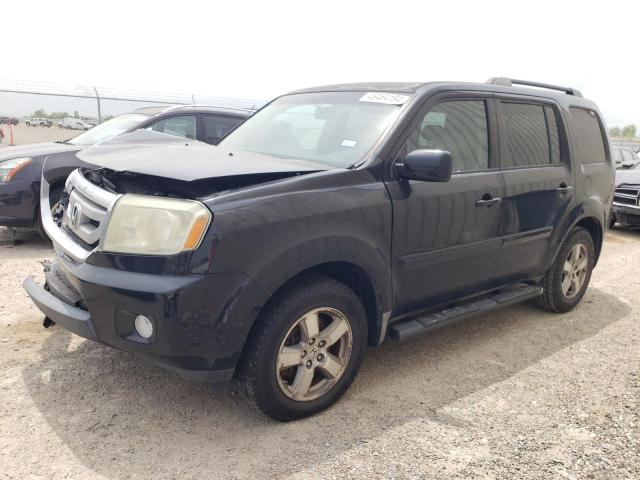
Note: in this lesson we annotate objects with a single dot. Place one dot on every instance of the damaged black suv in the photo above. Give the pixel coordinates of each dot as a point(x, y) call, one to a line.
point(332, 219)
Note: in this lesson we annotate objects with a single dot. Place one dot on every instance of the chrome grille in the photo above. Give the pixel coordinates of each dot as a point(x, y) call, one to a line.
point(626, 195)
point(84, 218)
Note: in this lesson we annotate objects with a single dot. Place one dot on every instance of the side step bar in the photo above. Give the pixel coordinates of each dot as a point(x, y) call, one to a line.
point(418, 325)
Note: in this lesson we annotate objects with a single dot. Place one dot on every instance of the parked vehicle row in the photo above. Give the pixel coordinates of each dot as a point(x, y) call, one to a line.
point(9, 121)
point(330, 220)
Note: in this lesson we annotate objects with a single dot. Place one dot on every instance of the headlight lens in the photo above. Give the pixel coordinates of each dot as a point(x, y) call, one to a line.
point(155, 226)
point(9, 168)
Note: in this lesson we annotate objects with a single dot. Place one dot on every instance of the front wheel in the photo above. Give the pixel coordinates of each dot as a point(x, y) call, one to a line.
point(566, 281)
point(305, 349)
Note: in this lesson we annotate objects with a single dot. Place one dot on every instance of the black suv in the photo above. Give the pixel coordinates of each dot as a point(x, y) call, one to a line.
point(333, 218)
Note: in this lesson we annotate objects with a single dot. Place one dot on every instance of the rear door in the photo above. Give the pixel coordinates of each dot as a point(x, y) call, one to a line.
point(534, 159)
point(446, 236)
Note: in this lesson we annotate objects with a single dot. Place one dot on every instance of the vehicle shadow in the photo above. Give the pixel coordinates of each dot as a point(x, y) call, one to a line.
point(123, 418)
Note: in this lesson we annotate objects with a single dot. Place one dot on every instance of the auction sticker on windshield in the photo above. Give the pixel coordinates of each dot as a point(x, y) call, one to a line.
point(384, 97)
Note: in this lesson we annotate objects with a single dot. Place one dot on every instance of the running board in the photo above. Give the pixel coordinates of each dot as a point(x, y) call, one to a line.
point(418, 325)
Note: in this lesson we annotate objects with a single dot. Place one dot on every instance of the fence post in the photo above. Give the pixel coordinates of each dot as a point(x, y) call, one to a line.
point(99, 111)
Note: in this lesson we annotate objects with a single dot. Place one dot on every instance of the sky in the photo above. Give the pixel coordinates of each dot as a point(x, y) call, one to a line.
point(258, 49)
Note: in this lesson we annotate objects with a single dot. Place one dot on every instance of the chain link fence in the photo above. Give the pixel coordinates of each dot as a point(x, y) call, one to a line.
point(32, 112)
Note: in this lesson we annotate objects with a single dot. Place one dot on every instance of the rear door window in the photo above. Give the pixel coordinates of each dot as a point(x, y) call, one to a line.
point(526, 137)
point(218, 126)
point(554, 136)
point(589, 135)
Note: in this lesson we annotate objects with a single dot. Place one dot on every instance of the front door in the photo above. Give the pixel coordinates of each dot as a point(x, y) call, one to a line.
point(446, 236)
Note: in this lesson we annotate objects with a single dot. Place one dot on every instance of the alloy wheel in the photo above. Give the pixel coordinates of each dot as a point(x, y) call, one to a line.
point(314, 354)
point(574, 271)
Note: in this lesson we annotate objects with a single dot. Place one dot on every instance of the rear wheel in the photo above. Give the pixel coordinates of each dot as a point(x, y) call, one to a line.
point(566, 281)
point(306, 348)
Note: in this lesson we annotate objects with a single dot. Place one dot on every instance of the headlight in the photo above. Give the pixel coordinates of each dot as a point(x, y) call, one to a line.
point(155, 226)
point(9, 168)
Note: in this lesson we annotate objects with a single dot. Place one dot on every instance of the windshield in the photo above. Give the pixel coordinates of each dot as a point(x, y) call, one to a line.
point(332, 128)
point(109, 129)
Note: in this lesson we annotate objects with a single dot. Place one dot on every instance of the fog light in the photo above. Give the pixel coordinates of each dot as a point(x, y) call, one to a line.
point(144, 327)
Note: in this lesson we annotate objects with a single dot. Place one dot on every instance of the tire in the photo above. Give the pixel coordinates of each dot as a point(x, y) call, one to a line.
point(281, 328)
point(555, 297)
point(28, 124)
point(612, 220)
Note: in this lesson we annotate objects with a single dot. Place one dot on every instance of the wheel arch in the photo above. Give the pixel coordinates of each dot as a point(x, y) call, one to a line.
point(596, 230)
point(590, 215)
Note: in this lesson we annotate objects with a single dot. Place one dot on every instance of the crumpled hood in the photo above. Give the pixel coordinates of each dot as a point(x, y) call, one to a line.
point(628, 176)
point(35, 150)
point(166, 156)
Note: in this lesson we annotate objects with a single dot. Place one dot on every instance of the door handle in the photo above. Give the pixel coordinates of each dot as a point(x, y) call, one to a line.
point(488, 201)
point(564, 188)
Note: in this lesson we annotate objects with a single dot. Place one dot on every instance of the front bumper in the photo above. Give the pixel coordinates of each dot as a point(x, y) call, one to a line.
point(626, 214)
point(200, 322)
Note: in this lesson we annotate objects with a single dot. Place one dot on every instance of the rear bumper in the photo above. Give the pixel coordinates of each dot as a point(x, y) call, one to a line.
point(200, 321)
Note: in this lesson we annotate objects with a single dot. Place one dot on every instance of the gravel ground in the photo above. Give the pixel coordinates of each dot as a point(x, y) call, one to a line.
point(23, 135)
point(520, 393)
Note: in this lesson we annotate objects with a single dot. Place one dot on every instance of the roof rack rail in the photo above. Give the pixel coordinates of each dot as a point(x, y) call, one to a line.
point(207, 105)
point(509, 82)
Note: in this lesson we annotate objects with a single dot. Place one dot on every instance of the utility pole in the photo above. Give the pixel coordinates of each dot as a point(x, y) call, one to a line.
point(98, 99)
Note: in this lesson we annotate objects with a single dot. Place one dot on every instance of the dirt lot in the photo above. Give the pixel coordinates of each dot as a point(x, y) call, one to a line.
point(23, 134)
point(517, 394)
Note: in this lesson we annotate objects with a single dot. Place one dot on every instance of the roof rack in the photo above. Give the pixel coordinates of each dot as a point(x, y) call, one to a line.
point(203, 105)
point(509, 82)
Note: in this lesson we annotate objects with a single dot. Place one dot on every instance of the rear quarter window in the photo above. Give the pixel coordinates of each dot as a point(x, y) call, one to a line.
point(589, 135)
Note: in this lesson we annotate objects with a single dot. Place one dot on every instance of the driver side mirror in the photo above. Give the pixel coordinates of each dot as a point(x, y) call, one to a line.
point(427, 166)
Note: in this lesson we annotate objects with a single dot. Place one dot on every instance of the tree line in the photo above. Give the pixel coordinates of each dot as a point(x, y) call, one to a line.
point(627, 131)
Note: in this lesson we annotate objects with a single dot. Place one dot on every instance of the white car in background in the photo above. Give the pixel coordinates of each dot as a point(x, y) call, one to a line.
point(625, 157)
point(71, 123)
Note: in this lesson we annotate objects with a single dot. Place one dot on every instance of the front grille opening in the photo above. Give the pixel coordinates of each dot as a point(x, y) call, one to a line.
point(627, 191)
point(78, 240)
